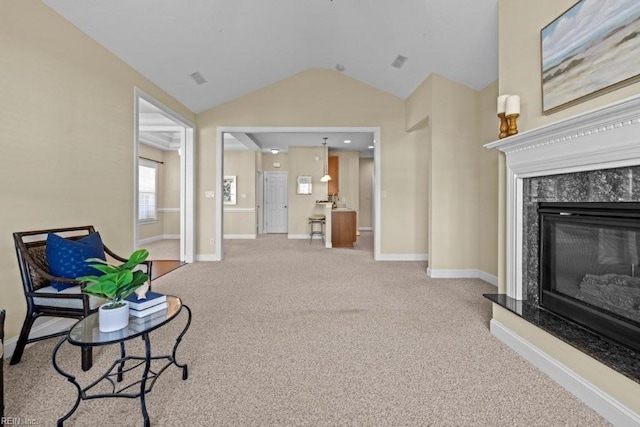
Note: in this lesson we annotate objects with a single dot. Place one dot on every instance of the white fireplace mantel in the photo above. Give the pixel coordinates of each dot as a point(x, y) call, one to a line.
point(608, 137)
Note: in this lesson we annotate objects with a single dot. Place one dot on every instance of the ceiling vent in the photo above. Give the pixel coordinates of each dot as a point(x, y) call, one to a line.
point(198, 78)
point(399, 61)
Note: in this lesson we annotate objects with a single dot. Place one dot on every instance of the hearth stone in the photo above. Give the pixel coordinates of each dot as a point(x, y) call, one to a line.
point(616, 356)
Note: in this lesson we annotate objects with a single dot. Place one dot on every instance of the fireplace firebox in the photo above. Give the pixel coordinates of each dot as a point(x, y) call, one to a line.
point(590, 266)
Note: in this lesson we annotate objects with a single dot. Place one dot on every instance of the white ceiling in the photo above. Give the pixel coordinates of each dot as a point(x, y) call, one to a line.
point(242, 45)
point(265, 141)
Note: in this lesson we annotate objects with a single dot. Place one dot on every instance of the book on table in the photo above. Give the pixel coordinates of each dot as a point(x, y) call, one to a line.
point(151, 298)
point(142, 323)
point(149, 310)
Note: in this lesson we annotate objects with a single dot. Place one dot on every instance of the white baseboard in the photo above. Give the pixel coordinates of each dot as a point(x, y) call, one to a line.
point(403, 257)
point(158, 238)
point(302, 236)
point(45, 327)
point(462, 274)
point(605, 405)
point(239, 236)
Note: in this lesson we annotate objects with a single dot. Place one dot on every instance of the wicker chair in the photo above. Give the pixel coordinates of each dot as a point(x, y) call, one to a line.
point(42, 299)
point(1, 364)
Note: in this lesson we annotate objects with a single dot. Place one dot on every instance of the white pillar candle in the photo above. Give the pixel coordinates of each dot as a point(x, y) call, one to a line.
point(513, 105)
point(502, 103)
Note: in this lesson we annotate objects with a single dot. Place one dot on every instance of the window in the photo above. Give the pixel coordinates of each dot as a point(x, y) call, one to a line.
point(147, 191)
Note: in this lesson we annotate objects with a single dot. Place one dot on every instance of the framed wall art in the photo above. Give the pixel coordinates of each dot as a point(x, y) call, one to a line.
point(229, 190)
point(591, 49)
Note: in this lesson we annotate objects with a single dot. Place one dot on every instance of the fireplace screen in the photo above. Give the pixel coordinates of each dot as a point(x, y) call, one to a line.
point(590, 265)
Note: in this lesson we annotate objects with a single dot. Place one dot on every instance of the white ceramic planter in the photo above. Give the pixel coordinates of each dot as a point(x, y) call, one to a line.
point(113, 319)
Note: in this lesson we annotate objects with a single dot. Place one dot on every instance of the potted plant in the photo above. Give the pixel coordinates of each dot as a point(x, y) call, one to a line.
point(115, 284)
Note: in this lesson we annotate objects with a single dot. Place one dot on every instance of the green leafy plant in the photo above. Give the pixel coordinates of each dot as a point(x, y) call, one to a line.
point(118, 281)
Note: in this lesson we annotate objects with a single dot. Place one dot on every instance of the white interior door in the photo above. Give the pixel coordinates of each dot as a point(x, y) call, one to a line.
point(275, 201)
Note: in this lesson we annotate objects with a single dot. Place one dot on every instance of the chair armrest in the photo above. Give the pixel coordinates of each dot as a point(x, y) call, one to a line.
point(56, 295)
point(113, 254)
point(121, 259)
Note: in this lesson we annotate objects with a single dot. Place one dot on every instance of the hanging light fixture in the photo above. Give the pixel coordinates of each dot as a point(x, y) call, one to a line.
point(326, 176)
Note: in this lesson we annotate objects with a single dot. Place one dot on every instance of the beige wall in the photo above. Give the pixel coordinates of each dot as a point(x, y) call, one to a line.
point(67, 136)
point(268, 159)
point(349, 177)
point(519, 67)
point(419, 115)
point(170, 197)
point(320, 97)
point(366, 192)
point(488, 186)
point(450, 123)
point(454, 187)
point(241, 217)
point(303, 162)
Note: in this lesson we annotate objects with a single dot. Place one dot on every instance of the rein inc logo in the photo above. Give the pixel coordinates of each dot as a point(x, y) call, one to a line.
point(17, 421)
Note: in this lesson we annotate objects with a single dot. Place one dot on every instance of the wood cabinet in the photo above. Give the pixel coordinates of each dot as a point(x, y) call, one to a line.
point(343, 229)
point(334, 173)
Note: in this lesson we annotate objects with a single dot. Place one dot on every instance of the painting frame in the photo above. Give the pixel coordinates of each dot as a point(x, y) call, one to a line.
point(229, 183)
point(587, 51)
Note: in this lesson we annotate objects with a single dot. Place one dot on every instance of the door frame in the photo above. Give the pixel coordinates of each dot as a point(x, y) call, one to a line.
point(187, 181)
point(220, 130)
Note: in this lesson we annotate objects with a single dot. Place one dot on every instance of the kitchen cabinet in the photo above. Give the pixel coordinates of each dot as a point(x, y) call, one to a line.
point(343, 228)
point(334, 173)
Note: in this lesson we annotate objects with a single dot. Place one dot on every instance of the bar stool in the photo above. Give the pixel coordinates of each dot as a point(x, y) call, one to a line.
point(313, 220)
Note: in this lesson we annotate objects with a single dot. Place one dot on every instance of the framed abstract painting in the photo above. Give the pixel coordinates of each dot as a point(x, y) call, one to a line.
point(229, 190)
point(591, 49)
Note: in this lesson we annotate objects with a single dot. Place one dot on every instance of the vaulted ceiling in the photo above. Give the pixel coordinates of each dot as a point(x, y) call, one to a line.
point(239, 46)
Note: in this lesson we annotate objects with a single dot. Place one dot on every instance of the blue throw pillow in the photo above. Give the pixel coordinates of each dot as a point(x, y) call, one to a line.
point(67, 257)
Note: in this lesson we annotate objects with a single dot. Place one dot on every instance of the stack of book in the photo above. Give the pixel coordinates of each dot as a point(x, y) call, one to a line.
point(152, 303)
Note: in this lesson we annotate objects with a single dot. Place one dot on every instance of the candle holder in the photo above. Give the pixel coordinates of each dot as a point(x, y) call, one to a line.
point(503, 125)
point(512, 124)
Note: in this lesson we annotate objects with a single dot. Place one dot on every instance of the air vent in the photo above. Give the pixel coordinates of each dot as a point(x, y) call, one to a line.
point(399, 61)
point(198, 78)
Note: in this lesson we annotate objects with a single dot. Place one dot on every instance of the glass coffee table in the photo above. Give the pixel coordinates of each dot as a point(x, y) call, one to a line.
point(85, 333)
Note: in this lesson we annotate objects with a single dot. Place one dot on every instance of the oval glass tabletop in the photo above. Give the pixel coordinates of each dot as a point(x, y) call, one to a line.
point(86, 331)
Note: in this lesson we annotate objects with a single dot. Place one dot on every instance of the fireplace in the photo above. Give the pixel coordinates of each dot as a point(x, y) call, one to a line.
point(589, 266)
point(587, 161)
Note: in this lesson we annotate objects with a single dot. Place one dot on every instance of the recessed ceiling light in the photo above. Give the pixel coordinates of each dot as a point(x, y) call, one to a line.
point(371, 146)
point(347, 141)
point(274, 150)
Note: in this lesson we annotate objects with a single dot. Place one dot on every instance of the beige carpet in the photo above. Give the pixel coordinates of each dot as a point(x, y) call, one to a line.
point(287, 333)
point(163, 249)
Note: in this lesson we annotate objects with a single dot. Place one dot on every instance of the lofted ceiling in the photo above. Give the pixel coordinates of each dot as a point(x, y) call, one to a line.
point(239, 46)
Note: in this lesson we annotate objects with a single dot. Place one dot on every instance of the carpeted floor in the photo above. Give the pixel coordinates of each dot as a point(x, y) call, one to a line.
point(163, 249)
point(288, 333)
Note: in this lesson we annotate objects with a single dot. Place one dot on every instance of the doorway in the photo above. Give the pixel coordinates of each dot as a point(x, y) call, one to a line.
point(220, 147)
point(169, 215)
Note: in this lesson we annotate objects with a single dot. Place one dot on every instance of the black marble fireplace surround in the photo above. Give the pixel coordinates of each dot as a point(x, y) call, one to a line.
point(599, 186)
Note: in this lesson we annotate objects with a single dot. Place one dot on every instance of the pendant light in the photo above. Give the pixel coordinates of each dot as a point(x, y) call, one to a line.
point(326, 176)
